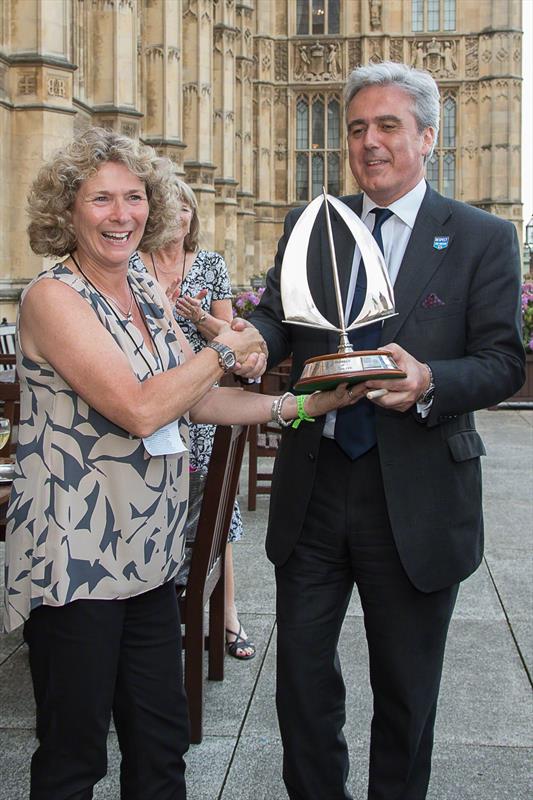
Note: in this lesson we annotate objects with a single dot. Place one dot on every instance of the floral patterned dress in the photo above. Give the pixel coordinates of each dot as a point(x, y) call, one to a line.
point(208, 271)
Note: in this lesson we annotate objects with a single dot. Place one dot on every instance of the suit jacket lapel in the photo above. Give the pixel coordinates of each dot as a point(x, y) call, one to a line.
point(420, 260)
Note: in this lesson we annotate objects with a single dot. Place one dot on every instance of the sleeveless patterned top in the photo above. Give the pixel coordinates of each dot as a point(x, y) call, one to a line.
point(92, 515)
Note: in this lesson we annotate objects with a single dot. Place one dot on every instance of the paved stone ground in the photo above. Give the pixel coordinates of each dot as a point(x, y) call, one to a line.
point(484, 731)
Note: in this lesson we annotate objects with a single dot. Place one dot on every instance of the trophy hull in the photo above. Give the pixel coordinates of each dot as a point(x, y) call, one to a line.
point(326, 372)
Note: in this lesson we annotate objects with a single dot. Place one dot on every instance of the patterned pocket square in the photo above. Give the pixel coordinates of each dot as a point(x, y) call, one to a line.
point(432, 301)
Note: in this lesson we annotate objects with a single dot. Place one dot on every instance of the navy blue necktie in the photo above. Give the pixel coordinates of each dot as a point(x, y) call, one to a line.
point(355, 428)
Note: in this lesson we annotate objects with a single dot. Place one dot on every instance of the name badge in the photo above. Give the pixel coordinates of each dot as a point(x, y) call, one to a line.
point(166, 441)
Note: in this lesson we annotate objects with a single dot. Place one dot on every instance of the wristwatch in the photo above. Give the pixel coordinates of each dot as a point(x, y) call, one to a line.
point(226, 356)
point(427, 396)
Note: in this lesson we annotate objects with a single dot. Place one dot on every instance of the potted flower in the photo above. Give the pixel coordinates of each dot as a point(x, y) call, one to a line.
point(527, 314)
point(245, 302)
point(525, 394)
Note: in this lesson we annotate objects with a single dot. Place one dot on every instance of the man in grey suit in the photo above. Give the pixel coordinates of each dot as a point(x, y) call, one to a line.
point(389, 499)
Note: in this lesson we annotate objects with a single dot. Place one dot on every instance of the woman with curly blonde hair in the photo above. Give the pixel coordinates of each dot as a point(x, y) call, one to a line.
point(99, 500)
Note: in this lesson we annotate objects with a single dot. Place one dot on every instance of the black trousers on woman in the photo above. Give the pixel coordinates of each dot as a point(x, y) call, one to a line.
point(347, 539)
point(93, 658)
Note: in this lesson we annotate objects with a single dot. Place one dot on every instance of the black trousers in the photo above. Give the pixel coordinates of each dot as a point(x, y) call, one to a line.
point(92, 658)
point(347, 539)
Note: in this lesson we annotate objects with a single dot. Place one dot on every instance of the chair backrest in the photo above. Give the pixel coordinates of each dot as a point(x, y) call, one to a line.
point(264, 439)
point(10, 408)
point(7, 345)
point(278, 379)
point(217, 507)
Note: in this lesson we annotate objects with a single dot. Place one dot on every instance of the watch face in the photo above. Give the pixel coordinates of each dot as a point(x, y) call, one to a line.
point(228, 356)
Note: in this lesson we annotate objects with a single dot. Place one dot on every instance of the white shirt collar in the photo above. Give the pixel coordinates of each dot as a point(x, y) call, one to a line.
point(406, 207)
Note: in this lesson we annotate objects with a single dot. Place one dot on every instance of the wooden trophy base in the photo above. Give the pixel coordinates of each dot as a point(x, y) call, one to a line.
point(322, 373)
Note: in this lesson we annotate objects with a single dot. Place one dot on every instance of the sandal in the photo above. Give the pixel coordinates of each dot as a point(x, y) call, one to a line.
point(240, 643)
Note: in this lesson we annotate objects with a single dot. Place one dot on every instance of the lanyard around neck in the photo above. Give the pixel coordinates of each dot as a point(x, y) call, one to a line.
point(124, 327)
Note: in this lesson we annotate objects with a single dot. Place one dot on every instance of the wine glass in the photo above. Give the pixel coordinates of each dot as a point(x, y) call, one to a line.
point(5, 431)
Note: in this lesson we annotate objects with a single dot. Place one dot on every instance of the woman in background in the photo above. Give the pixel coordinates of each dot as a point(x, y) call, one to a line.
point(201, 282)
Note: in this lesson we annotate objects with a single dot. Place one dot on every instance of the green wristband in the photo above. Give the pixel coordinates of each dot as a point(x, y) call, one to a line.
point(302, 415)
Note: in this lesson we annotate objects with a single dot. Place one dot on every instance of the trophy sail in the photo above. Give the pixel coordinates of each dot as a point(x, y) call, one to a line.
point(327, 371)
point(298, 304)
point(379, 299)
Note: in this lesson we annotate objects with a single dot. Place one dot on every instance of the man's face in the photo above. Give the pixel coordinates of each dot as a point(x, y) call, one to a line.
point(386, 151)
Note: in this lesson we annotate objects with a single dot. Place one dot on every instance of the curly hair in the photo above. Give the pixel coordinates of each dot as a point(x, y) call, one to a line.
point(52, 194)
point(187, 196)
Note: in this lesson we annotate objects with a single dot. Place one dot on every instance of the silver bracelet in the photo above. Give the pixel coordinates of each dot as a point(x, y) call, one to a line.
point(277, 405)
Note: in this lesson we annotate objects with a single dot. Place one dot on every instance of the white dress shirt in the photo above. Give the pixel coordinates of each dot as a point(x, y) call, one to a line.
point(396, 232)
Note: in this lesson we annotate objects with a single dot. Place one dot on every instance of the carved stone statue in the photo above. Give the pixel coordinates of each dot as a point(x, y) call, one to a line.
point(314, 63)
point(437, 57)
point(375, 14)
point(301, 72)
point(418, 55)
point(450, 64)
point(332, 64)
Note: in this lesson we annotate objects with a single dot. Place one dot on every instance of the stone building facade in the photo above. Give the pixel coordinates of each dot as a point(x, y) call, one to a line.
point(245, 96)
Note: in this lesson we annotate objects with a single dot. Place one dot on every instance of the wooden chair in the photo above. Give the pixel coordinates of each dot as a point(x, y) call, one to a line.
point(206, 577)
point(264, 439)
point(7, 344)
point(5, 490)
point(9, 400)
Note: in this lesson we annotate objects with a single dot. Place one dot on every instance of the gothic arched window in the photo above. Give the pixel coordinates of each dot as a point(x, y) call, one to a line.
point(440, 168)
point(432, 15)
point(318, 143)
point(317, 17)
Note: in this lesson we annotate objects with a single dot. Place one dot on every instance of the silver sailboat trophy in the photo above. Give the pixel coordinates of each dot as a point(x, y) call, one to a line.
point(346, 365)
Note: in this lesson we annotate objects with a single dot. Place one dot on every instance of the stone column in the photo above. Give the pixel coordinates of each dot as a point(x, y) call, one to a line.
point(244, 143)
point(224, 134)
point(161, 70)
point(36, 74)
point(500, 91)
point(113, 94)
point(468, 116)
point(198, 111)
point(263, 133)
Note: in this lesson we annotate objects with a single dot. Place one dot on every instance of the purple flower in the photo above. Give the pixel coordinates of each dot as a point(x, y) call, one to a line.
point(527, 315)
point(245, 302)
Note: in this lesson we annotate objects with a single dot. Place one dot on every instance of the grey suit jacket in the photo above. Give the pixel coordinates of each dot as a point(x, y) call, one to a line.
point(471, 339)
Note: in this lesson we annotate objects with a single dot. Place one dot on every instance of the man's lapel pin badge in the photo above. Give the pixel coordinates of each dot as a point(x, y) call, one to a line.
point(441, 242)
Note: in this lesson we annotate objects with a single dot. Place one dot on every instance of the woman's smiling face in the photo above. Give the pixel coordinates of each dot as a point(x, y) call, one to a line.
point(109, 215)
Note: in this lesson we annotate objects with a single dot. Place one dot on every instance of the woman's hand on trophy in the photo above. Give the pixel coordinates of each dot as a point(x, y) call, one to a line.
point(320, 403)
point(401, 394)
